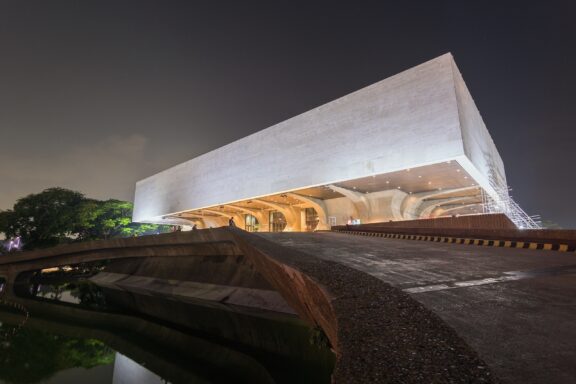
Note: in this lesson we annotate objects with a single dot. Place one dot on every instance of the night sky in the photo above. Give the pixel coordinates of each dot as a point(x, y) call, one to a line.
point(95, 95)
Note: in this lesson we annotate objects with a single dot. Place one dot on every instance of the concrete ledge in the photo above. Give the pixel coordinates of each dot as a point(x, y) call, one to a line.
point(550, 246)
point(196, 243)
point(484, 221)
point(486, 227)
point(198, 238)
point(207, 294)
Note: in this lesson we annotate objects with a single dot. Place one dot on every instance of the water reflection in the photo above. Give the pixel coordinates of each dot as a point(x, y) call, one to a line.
point(32, 356)
point(80, 292)
point(75, 326)
point(127, 371)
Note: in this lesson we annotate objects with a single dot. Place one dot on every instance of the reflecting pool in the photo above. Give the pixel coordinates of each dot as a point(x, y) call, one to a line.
point(71, 330)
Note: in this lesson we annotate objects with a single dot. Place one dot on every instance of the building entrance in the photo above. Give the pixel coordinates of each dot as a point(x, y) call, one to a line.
point(311, 219)
point(251, 223)
point(277, 221)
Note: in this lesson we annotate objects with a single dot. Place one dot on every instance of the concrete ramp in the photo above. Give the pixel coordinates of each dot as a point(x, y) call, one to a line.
point(515, 307)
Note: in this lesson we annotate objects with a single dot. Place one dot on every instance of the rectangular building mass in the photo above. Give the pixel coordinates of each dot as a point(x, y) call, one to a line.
point(411, 146)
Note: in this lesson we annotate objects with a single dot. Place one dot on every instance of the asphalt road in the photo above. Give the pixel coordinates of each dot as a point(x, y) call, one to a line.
point(515, 307)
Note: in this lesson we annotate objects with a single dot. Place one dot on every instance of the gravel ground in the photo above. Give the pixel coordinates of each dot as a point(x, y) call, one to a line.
point(387, 337)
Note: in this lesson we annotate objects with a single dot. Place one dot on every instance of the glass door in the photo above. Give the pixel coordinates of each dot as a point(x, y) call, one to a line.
point(251, 223)
point(311, 219)
point(277, 221)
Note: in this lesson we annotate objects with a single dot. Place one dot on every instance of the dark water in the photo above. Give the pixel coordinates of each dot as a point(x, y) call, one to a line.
point(73, 331)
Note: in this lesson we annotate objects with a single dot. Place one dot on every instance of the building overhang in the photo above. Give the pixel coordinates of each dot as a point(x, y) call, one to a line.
point(414, 141)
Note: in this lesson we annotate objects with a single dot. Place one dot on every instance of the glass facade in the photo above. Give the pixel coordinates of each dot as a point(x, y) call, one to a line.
point(251, 223)
point(311, 219)
point(277, 221)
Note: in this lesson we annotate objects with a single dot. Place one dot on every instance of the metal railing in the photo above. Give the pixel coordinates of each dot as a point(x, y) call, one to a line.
point(504, 203)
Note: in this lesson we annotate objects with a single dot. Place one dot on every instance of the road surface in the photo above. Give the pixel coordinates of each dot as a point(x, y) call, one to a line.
point(515, 307)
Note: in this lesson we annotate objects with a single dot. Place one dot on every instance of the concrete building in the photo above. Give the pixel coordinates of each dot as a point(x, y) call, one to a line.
point(411, 146)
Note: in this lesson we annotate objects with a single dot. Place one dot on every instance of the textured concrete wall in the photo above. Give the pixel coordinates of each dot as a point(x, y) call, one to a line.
point(407, 120)
point(373, 207)
point(341, 208)
point(478, 145)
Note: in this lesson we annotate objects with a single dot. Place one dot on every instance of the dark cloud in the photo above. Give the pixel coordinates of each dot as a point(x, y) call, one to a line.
point(107, 168)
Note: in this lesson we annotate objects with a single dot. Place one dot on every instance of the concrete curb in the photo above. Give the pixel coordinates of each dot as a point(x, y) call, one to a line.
point(457, 240)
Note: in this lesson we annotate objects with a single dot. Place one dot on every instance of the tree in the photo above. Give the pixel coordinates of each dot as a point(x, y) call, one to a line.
point(111, 218)
point(59, 215)
point(44, 219)
point(33, 356)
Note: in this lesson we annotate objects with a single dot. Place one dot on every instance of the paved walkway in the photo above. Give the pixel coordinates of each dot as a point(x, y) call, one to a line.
point(516, 307)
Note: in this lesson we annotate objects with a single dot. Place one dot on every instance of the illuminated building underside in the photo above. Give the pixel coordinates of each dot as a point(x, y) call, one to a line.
point(431, 191)
point(411, 146)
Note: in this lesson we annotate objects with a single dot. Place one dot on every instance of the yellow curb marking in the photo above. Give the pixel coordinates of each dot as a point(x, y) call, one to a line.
point(453, 240)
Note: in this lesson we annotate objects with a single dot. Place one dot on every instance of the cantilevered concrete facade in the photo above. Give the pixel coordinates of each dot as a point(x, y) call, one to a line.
point(411, 146)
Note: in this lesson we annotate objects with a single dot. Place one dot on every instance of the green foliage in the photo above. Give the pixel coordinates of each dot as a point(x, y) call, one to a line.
point(58, 215)
point(112, 218)
point(33, 356)
point(89, 294)
point(44, 219)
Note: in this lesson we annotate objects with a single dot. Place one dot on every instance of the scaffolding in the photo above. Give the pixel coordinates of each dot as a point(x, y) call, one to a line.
point(503, 203)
